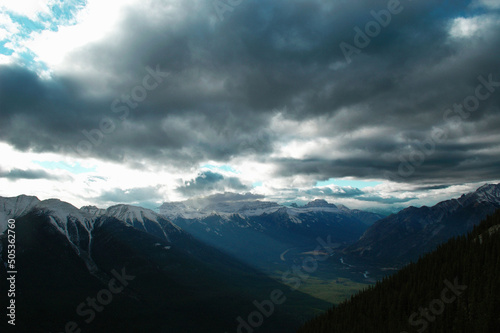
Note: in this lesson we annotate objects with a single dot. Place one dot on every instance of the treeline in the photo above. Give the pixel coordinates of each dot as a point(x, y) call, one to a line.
point(455, 288)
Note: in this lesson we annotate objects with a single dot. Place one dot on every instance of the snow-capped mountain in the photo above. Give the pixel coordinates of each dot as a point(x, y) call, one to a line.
point(183, 210)
point(258, 231)
point(77, 225)
point(68, 220)
point(74, 224)
point(13, 207)
point(188, 210)
point(413, 231)
point(488, 193)
point(163, 278)
point(140, 218)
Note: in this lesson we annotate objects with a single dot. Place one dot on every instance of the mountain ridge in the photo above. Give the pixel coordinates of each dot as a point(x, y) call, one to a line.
point(188, 210)
point(414, 299)
point(404, 236)
point(179, 283)
point(77, 224)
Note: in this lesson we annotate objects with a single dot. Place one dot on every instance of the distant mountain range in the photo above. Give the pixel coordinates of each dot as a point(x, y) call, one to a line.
point(257, 232)
point(455, 288)
point(191, 209)
point(190, 261)
point(77, 225)
point(66, 256)
point(405, 236)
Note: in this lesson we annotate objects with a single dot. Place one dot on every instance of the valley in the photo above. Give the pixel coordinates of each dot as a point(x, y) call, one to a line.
point(246, 266)
point(230, 166)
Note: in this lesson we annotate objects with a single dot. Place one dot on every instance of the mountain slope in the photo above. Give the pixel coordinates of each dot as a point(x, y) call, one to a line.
point(179, 284)
point(259, 232)
point(404, 236)
point(138, 218)
point(14, 207)
point(453, 289)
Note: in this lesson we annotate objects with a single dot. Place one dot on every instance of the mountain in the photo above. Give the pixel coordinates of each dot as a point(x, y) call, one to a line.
point(15, 207)
point(404, 236)
point(77, 224)
point(258, 232)
point(453, 289)
point(128, 269)
point(193, 209)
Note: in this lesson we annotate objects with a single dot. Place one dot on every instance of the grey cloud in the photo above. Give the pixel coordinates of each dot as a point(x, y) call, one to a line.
point(232, 197)
point(227, 79)
point(343, 192)
point(431, 187)
point(133, 195)
point(16, 174)
point(218, 198)
point(389, 200)
point(208, 181)
point(351, 193)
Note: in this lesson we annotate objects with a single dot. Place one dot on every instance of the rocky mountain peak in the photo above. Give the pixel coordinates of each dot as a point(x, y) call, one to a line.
point(319, 203)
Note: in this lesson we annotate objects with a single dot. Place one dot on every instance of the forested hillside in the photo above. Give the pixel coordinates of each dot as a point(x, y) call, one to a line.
point(455, 288)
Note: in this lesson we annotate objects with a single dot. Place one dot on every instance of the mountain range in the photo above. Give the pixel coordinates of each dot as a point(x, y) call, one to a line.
point(403, 237)
point(65, 256)
point(209, 265)
point(257, 232)
point(454, 288)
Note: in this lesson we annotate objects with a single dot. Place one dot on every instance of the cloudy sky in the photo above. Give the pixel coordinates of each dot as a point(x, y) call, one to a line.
point(372, 104)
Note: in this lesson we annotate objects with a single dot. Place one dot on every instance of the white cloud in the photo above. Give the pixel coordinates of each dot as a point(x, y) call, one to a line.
point(93, 23)
point(462, 27)
point(79, 188)
point(98, 21)
point(28, 8)
point(7, 27)
point(84, 188)
point(5, 60)
point(492, 4)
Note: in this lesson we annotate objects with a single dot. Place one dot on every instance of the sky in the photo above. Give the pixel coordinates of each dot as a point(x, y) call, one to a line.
point(376, 105)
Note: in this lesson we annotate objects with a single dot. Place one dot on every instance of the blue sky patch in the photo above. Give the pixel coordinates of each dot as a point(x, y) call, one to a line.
point(224, 167)
point(62, 13)
point(343, 183)
point(76, 169)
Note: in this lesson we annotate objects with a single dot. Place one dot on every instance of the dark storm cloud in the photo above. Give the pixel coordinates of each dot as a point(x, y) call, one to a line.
point(218, 198)
point(208, 181)
point(388, 201)
point(432, 187)
point(232, 197)
point(16, 174)
point(227, 79)
point(351, 193)
point(344, 192)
